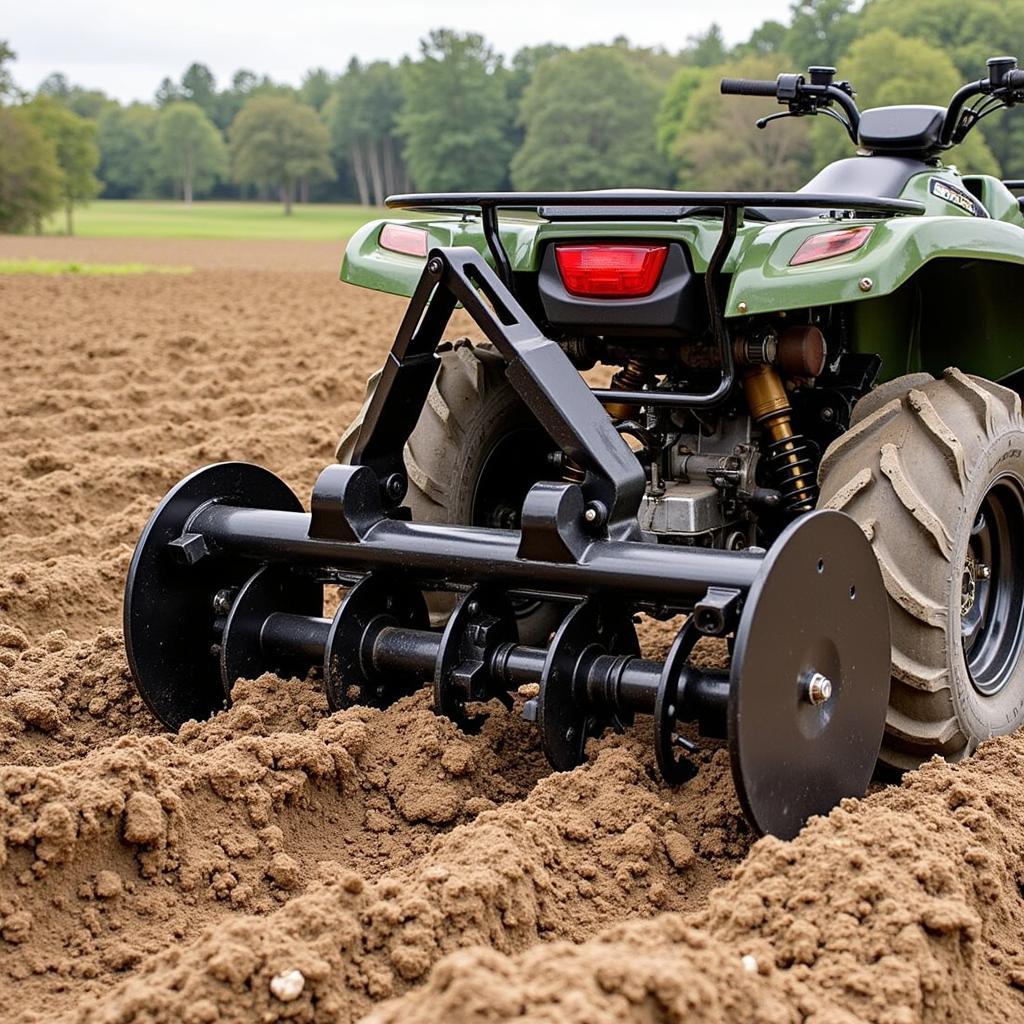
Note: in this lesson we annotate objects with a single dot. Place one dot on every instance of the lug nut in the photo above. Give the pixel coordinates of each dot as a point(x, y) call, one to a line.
point(819, 688)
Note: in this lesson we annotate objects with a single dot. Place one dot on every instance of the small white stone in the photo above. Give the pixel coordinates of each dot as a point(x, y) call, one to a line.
point(288, 986)
point(749, 963)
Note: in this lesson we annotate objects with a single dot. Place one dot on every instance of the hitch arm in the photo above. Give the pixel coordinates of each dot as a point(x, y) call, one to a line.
point(538, 369)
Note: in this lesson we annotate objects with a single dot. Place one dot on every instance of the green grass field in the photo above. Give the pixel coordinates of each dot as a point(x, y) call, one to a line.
point(49, 267)
point(128, 218)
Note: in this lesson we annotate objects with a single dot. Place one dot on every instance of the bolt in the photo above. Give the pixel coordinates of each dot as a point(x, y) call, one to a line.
point(743, 307)
point(473, 607)
point(222, 602)
point(819, 688)
point(395, 486)
point(828, 414)
point(866, 284)
point(595, 514)
point(435, 266)
point(983, 571)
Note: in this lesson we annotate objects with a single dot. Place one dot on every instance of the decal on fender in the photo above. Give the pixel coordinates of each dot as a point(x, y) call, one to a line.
point(944, 191)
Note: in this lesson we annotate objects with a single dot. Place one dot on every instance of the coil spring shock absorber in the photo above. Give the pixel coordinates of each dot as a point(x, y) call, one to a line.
point(632, 377)
point(788, 455)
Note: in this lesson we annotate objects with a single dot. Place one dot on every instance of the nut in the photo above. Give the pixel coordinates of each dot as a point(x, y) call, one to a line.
point(819, 688)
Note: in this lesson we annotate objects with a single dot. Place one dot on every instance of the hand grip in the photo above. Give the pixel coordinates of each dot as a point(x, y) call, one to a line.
point(748, 87)
point(1014, 80)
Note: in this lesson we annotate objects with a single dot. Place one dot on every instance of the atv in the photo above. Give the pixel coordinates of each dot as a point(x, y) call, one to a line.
point(811, 445)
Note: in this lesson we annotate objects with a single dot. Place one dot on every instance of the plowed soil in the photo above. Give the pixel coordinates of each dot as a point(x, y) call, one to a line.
point(281, 863)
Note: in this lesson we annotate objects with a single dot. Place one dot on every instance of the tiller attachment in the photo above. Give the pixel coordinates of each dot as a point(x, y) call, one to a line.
point(227, 582)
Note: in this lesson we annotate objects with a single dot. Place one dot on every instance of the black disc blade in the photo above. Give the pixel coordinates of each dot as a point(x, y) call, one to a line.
point(818, 606)
point(170, 622)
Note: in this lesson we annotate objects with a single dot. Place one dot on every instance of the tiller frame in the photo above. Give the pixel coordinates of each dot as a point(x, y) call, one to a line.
point(227, 583)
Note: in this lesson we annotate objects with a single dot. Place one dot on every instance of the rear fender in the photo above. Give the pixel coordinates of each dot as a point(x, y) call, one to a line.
point(923, 293)
point(897, 249)
point(368, 265)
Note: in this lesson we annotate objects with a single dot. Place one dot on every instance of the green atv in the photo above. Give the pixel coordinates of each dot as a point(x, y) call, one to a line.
point(786, 453)
point(852, 346)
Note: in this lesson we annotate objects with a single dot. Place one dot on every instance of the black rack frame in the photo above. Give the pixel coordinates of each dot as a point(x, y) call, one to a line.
point(729, 203)
point(488, 203)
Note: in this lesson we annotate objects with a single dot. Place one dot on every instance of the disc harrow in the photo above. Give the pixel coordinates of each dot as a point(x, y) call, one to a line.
point(228, 581)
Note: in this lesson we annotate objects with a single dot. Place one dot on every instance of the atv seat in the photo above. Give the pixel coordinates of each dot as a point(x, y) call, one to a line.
point(882, 176)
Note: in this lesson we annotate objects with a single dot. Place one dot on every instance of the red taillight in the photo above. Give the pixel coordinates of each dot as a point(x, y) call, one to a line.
point(406, 240)
point(610, 271)
point(827, 244)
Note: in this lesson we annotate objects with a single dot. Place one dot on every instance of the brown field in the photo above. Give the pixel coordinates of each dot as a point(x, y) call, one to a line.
point(408, 871)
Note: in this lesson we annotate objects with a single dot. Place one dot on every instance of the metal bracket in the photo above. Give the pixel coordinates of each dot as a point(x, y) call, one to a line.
point(345, 503)
point(537, 368)
point(717, 612)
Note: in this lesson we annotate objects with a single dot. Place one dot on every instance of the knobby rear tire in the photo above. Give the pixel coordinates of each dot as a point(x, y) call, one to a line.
point(913, 470)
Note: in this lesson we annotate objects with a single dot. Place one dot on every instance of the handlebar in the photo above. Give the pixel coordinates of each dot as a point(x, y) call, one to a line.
point(816, 94)
point(801, 95)
point(748, 87)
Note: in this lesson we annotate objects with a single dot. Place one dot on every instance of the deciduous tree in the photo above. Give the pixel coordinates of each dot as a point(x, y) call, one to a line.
point(706, 49)
point(190, 148)
point(457, 118)
point(199, 86)
point(7, 87)
point(362, 118)
point(129, 162)
point(820, 31)
point(74, 143)
point(279, 142)
point(589, 118)
point(30, 178)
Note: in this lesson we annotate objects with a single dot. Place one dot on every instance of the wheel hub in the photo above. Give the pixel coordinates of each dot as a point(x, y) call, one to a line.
point(992, 588)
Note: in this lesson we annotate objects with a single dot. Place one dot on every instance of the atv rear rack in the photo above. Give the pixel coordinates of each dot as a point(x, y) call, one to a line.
point(488, 203)
point(729, 203)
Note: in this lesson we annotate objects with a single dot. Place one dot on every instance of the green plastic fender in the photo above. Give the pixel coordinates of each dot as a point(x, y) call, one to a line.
point(763, 280)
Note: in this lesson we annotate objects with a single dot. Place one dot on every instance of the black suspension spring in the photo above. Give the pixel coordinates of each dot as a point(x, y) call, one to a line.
point(792, 465)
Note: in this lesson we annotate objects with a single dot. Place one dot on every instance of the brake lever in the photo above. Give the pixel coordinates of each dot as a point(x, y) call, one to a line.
point(762, 122)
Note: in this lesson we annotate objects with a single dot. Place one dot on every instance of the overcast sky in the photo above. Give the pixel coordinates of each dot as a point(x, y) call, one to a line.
point(125, 47)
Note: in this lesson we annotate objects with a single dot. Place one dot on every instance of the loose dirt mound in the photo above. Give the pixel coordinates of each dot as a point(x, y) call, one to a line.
point(403, 869)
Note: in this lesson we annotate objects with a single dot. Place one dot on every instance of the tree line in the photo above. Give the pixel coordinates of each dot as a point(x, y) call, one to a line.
point(462, 116)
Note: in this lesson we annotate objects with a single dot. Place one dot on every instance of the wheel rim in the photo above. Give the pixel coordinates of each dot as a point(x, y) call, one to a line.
point(514, 464)
point(992, 589)
point(516, 461)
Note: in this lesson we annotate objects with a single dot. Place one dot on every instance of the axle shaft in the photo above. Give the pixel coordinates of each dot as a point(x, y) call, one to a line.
point(621, 684)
